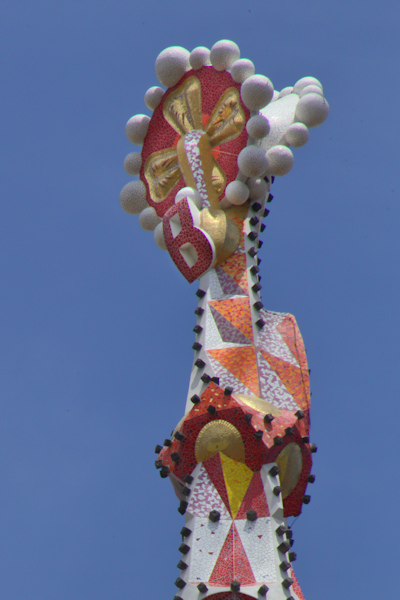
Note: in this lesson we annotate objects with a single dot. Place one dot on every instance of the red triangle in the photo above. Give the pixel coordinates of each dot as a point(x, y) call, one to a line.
point(241, 570)
point(222, 574)
point(292, 337)
point(254, 499)
point(214, 469)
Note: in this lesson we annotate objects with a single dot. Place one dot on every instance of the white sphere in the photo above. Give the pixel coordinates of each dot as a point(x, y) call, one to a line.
point(223, 54)
point(285, 91)
point(311, 89)
point(304, 82)
point(312, 110)
point(258, 189)
point(199, 57)
point(149, 219)
point(242, 69)
point(258, 127)
point(159, 237)
point(136, 129)
point(297, 135)
point(252, 161)
point(257, 92)
point(153, 96)
point(237, 192)
point(192, 194)
point(280, 160)
point(133, 163)
point(171, 65)
point(133, 197)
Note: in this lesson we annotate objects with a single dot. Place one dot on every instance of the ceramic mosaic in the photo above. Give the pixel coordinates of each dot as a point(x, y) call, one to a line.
point(240, 458)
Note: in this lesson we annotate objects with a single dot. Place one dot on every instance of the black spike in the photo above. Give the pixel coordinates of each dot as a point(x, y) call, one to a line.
point(299, 414)
point(277, 490)
point(188, 479)
point(205, 378)
point(292, 556)
point(158, 464)
point(228, 391)
point(311, 478)
point(185, 491)
point(254, 270)
point(260, 323)
point(182, 565)
point(185, 531)
point(274, 471)
point(306, 499)
point(178, 435)
point(195, 399)
point(235, 586)
point(253, 221)
point(281, 529)
point(287, 582)
point(255, 207)
point(248, 417)
point(251, 515)
point(256, 287)
point(252, 236)
point(158, 449)
point(214, 516)
point(182, 507)
point(285, 565)
point(202, 588)
point(258, 305)
point(284, 547)
point(197, 346)
point(211, 409)
point(199, 363)
point(200, 293)
point(199, 311)
point(262, 228)
point(313, 448)
point(269, 418)
point(252, 252)
point(175, 457)
point(167, 442)
point(263, 590)
point(197, 329)
point(180, 583)
point(184, 548)
point(258, 434)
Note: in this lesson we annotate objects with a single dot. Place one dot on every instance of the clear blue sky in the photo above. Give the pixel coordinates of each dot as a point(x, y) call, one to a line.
point(96, 335)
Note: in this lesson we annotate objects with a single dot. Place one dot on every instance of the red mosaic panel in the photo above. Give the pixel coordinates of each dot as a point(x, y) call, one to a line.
point(187, 235)
point(223, 573)
point(242, 571)
point(214, 469)
point(254, 499)
point(295, 586)
point(161, 135)
point(235, 266)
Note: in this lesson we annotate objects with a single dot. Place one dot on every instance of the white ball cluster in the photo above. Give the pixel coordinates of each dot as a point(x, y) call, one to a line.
point(171, 65)
point(136, 129)
point(297, 135)
point(192, 194)
point(311, 89)
point(304, 82)
point(256, 92)
point(223, 54)
point(280, 160)
point(159, 237)
point(133, 163)
point(199, 57)
point(242, 69)
point(153, 96)
point(285, 91)
point(312, 110)
point(257, 127)
point(133, 197)
point(237, 192)
point(149, 219)
point(252, 161)
point(258, 189)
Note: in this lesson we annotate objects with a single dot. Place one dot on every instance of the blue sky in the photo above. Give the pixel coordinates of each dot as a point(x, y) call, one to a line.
point(95, 346)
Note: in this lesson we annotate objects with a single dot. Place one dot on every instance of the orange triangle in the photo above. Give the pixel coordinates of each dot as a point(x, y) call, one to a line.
point(292, 337)
point(241, 362)
point(293, 378)
point(236, 311)
point(235, 266)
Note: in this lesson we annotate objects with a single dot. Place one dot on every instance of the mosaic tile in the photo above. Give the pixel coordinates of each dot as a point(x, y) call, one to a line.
point(241, 566)
point(223, 573)
point(213, 467)
point(237, 479)
point(236, 311)
point(258, 544)
point(205, 498)
point(227, 284)
point(272, 389)
point(226, 378)
point(295, 587)
point(270, 339)
point(254, 499)
point(292, 378)
point(227, 331)
point(241, 362)
point(236, 268)
point(206, 540)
